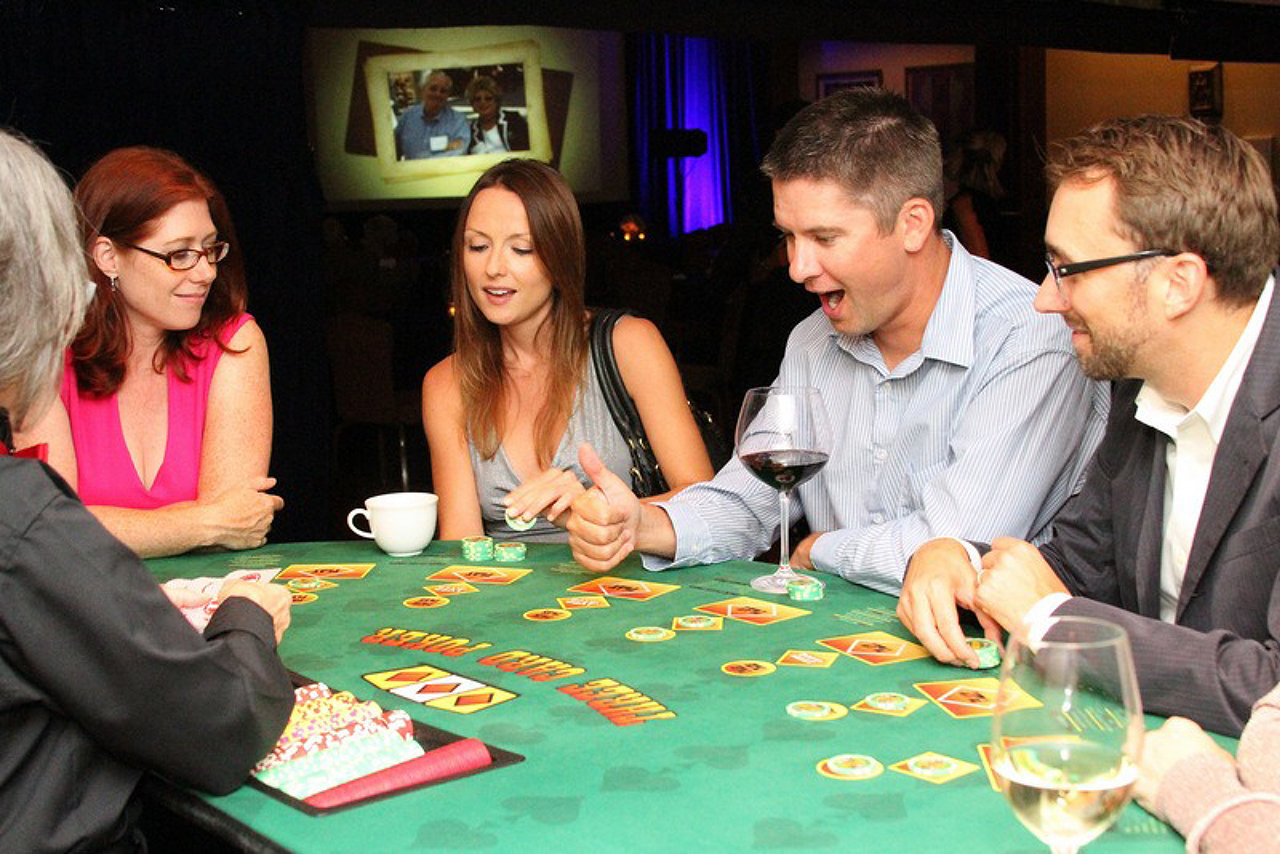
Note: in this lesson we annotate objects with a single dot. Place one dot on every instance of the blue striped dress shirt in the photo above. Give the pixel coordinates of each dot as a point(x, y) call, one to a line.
point(985, 431)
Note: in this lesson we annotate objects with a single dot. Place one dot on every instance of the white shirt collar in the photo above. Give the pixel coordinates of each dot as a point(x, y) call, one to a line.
point(1156, 411)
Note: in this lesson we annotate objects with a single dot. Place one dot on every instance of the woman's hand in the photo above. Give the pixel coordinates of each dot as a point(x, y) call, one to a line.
point(548, 494)
point(241, 516)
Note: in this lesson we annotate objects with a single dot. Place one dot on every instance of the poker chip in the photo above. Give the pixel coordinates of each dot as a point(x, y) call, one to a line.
point(988, 652)
point(515, 523)
point(816, 710)
point(426, 602)
point(748, 667)
point(547, 615)
point(695, 621)
point(932, 766)
point(887, 701)
point(477, 548)
point(850, 766)
point(805, 588)
point(650, 634)
point(509, 552)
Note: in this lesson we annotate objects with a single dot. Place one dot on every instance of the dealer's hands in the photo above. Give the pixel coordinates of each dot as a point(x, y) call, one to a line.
point(1164, 748)
point(549, 494)
point(938, 578)
point(604, 519)
point(1015, 577)
point(272, 598)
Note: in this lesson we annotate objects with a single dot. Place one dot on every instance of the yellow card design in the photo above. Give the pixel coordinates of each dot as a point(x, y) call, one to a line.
point(973, 698)
point(455, 589)
point(573, 603)
point(758, 612)
point(876, 648)
point(326, 570)
point(479, 574)
point(388, 679)
point(624, 588)
point(808, 658)
point(934, 767)
point(476, 700)
point(987, 753)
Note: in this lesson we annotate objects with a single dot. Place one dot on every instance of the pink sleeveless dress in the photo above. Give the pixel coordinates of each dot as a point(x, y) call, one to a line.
point(105, 469)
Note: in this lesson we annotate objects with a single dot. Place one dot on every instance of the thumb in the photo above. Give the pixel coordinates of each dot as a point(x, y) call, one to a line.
point(609, 483)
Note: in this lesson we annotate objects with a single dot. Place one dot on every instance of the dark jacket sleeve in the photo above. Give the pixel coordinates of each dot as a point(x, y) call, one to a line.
point(92, 629)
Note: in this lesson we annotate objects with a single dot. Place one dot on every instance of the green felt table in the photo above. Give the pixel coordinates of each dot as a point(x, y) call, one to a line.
point(727, 770)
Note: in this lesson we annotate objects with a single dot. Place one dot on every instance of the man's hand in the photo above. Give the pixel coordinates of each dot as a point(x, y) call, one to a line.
point(1177, 739)
point(272, 598)
point(939, 576)
point(800, 558)
point(605, 518)
point(1014, 578)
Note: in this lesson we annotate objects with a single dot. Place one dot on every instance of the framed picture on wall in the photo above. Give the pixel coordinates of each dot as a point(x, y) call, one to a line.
point(831, 83)
point(944, 93)
point(1204, 91)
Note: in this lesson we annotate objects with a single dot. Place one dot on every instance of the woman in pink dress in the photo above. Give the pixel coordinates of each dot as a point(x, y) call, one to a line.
point(164, 422)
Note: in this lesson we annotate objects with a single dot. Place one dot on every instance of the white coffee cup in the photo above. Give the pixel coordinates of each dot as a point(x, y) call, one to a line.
point(402, 523)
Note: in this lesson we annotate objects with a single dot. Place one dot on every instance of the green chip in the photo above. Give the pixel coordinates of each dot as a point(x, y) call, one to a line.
point(515, 523)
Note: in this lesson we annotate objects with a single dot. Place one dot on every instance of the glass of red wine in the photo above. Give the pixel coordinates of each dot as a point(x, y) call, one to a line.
point(783, 438)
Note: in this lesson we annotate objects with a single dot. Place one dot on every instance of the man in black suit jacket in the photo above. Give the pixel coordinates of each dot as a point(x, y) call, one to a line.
point(1161, 241)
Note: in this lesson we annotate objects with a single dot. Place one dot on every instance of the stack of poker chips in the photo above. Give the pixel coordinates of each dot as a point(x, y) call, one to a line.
point(334, 738)
point(477, 549)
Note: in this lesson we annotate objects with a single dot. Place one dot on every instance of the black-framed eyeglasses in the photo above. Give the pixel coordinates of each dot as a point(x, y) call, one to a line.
point(185, 259)
point(1062, 271)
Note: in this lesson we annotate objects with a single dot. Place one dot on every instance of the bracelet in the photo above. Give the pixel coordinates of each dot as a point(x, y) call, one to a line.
point(1201, 827)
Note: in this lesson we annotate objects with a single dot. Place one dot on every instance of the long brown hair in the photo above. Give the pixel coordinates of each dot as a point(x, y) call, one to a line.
point(121, 197)
point(556, 229)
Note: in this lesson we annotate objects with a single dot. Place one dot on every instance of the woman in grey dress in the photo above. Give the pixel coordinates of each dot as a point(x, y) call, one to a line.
point(507, 412)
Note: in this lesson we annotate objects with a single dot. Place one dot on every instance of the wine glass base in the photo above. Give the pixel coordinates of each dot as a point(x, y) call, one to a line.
point(775, 583)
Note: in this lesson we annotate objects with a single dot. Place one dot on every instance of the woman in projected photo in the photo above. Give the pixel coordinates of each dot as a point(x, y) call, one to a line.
point(164, 421)
point(494, 128)
point(506, 413)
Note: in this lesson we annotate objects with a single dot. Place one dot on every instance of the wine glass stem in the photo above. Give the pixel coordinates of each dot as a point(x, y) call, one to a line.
point(784, 553)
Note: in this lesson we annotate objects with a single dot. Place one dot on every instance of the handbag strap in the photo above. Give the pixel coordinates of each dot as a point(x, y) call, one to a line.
point(644, 468)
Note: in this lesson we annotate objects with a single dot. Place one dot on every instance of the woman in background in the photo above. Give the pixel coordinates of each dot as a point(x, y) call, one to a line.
point(164, 421)
point(506, 413)
point(973, 192)
point(494, 128)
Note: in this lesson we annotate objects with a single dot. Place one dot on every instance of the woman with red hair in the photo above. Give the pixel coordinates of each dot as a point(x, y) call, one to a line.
point(164, 426)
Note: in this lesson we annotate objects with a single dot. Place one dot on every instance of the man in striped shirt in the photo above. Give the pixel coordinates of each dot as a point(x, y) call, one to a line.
point(955, 406)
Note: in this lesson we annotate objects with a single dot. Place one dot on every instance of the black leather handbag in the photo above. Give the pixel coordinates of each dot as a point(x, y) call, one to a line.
point(646, 475)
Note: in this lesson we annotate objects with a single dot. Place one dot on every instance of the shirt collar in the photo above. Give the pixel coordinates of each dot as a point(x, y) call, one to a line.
point(1156, 411)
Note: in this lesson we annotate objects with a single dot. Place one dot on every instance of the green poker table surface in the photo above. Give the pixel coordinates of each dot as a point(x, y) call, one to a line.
point(627, 746)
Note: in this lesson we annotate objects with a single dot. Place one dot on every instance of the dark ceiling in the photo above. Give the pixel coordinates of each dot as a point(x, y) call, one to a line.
point(1182, 29)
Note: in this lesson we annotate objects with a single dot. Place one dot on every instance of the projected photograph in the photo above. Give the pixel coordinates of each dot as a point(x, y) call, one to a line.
point(441, 113)
point(414, 116)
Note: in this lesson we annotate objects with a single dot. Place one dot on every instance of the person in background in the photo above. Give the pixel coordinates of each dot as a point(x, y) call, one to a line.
point(436, 130)
point(494, 128)
point(1162, 239)
point(1220, 804)
point(164, 423)
point(504, 414)
point(954, 405)
point(101, 677)
point(972, 172)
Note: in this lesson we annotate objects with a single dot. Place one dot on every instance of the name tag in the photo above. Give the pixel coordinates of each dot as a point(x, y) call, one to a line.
point(439, 143)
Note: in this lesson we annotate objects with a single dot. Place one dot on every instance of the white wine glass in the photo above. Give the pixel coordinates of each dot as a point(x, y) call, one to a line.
point(783, 438)
point(1067, 733)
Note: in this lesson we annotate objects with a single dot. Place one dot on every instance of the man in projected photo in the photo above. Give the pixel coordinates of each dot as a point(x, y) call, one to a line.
point(956, 406)
point(437, 130)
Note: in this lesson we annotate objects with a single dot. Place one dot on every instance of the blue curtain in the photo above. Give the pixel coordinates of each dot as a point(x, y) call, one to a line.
point(695, 84)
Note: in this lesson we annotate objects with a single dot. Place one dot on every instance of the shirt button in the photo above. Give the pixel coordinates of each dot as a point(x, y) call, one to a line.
point(877, 518)
point(880, 454)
